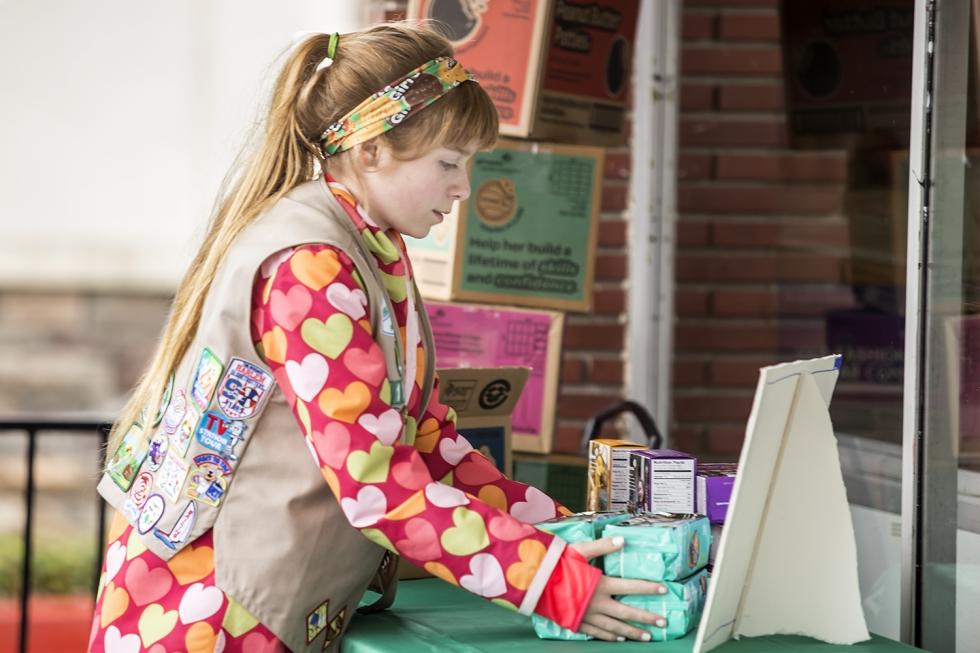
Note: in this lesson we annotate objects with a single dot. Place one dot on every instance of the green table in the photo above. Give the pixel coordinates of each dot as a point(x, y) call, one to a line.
point(431, 615)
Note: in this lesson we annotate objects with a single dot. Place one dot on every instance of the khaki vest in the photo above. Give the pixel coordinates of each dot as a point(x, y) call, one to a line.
point(283, 548)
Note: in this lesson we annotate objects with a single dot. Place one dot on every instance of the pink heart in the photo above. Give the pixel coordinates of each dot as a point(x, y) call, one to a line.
point(157, 648)
point(411, 474)
point(509, 530)
point(257, 643)
point(333, 444)
point(366, 365)
point(147, 585)
point(289, 308)
point(422, 541)
point(478, 471)
point(537, 506)
point(352, 301)
point(453, 449)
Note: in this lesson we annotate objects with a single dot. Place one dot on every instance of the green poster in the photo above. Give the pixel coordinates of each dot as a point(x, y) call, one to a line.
point(529, 224)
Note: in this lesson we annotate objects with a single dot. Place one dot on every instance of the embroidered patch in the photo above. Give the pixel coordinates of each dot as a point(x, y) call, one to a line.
point(209, 368)
point(243, 388)
point(164, 400)
point(387, 327)
point(181, 530)
point(141, 489)
point(174, 414)
point(220, 434)
point(157, 452)
point(185, 431)
point(208, 482)
point(129, 456)
point(316, 621)
point(171, 477)
point(151, 513)
point(335, 627)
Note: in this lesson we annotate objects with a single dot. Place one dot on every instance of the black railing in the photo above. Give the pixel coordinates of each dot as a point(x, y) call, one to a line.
point(32, 427)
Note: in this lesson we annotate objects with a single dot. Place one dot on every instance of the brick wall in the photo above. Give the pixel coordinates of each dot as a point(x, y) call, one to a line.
point(761, 242)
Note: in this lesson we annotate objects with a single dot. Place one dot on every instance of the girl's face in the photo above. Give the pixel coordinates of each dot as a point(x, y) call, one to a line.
point(413, 196)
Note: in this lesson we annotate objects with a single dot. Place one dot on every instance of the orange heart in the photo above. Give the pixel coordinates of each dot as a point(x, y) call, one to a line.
point(494, 496)
point(200, 638)
point(419, 366)
point(521, 573)
point(274, 345)
point(117, 527)
point(114, 604)
point(427, 435)
point(191, 565)
point(365, 325)
point(345, 406)
point(409, 508)
point(442, 571)
point(331, 478)
point(315, 270)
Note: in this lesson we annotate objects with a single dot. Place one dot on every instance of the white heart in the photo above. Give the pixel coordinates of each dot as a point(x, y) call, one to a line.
point(453, 450)
point(444, 496)
point(114, 642)
point(350, 301)
point(536, 507)
point(386, 427)
point(369, 506)
point(308, 377)
point(486, 578)
point(199, 603)
point(270, 265)
point(114, 559)
point(220, 642)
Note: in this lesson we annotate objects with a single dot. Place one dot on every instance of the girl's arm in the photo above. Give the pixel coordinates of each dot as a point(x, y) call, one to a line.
point(310, 324)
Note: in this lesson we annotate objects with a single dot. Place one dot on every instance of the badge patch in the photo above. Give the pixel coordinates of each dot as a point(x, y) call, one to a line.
point(182, 527)
point(208, 479)
point(335, 627)
point(386, 324)
point(316, 621)
point(164, 399)
point(141, 489)
point(151, 513)
point(171, 477)
point(174, 414)
point(220, 434)
point(157, 452)
point(209, 369)
point(129, 456)
point(243, 388)
point(185, 431)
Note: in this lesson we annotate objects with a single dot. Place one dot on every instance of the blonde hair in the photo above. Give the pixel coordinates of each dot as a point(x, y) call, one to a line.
point(304, 101)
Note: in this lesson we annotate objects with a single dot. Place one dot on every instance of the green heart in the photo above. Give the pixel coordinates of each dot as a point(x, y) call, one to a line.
point(370, 467)
point(358, 280)
point(238, 620)
point(98, 594)
point(447, 479)
point(411, 427)
point(395, 286)
point(378, 538)
point(451, 415)
point(304, 417)
point(380, 245)
point(385, 393)
point(469, 534)
point(504, 603)
point(330, 338)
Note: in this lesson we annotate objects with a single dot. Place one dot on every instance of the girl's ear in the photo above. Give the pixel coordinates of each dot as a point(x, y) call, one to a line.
point(369, 155)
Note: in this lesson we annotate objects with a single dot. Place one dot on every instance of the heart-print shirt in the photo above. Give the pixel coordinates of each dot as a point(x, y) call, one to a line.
point(437, 502)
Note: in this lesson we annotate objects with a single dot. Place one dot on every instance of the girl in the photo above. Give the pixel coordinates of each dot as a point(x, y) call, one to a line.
point(300, 309)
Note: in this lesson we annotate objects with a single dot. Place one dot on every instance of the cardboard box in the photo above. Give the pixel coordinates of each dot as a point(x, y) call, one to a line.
point(609, 474)
point(527, 234)
point(483, 399)
point(714, 490)
point(477, 335)
point(661, 480)
point(561, 476)
point(555, 69)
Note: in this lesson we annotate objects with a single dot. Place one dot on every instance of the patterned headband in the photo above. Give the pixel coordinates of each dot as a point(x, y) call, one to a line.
point(389, 107)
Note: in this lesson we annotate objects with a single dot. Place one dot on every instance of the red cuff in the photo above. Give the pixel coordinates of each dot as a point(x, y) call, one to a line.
point(569, 590)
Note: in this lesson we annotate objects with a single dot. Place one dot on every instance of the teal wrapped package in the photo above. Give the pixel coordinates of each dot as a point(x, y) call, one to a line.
point(659, 546)
point(681, 606)
point(583, 527)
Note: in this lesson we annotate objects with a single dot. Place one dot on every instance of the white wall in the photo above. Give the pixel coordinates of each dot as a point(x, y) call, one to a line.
point(118, 122)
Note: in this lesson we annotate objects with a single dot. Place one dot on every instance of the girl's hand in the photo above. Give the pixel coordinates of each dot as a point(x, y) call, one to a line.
point(605, 617)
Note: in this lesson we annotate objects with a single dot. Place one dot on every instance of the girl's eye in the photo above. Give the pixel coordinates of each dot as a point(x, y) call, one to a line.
point(446, 165)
